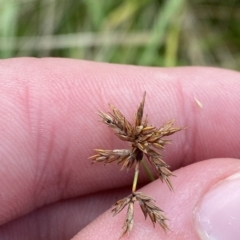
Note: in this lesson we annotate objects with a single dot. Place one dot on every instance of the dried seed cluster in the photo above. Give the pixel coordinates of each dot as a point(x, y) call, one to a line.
point(145, 140)
point(148, 208)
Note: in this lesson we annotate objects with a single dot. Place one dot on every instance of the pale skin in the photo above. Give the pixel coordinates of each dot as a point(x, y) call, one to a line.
point(49, 127)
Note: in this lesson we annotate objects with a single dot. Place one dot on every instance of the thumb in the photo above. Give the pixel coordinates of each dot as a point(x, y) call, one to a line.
point(204, 204)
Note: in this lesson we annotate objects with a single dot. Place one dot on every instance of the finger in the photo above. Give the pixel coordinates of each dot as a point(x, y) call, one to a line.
point(49, 126)
point(196, 209)
point(50, 221)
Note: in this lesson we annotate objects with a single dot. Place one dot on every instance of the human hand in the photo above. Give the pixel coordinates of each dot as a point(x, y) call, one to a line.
point(49, 127)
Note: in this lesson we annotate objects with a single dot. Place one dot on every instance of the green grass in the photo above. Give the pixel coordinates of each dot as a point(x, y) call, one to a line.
point(140, 32)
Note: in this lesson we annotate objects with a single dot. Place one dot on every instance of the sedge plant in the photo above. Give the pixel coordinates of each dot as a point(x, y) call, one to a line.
point(145, 140)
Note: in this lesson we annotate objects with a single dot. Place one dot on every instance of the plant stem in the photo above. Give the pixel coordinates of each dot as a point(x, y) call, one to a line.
point(147, 170)
point(135, 177)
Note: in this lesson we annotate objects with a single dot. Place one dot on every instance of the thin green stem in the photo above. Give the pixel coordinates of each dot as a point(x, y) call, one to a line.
point(147, 170)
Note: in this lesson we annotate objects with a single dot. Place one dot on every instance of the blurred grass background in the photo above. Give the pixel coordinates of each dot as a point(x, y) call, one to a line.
point(140, 32)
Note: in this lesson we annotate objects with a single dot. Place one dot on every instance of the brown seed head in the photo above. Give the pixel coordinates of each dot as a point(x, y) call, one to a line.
point(148, 207)
point(145, 140)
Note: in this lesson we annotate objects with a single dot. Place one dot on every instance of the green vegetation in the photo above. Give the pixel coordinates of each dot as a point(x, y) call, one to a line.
point(140, 32)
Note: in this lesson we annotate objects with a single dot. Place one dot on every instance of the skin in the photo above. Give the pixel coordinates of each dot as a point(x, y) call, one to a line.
point(49, 127)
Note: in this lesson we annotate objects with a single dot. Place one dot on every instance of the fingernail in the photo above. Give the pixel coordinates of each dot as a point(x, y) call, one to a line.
point(217, 215)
